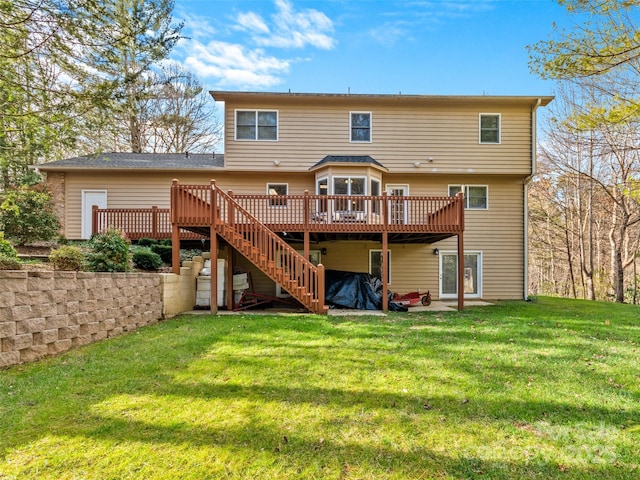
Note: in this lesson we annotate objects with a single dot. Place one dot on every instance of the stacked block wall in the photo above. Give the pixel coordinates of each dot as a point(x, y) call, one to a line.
point(43, 312)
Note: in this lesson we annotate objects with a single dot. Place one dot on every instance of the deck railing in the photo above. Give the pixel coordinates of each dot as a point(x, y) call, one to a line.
point(328, 213)
point(275, 257)
point(137, 223)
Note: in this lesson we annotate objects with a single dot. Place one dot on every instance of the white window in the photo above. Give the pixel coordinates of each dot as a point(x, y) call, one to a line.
point(277, 189)
point(375, 192)
point(490, 128)
point(322, 188)
point(349, 186)
point(360, 126)
point(476, 197)
point(375, 264)
point(256, 125)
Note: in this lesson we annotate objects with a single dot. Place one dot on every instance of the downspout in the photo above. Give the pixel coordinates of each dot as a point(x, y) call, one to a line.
point(525, 200)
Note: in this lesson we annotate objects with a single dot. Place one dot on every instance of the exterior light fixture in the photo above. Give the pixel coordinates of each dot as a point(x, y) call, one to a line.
point(436, 251)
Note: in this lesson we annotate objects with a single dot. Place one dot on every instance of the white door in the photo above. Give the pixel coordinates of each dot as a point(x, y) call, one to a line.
point(397, 208)
point(449, 275)
point(89, 199)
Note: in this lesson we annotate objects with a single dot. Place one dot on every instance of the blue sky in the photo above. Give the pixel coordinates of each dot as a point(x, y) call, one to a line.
point(431, 47)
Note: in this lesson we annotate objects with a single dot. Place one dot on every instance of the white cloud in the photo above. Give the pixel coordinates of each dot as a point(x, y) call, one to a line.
point(252, 22)
point(248, 60)
point(234, 65)
point(424, 15)
point(291, 29)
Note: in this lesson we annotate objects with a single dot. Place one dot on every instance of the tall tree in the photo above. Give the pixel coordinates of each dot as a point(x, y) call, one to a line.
point(126, 38)
point(35, 102)
point(604, 43)
point(182, 114)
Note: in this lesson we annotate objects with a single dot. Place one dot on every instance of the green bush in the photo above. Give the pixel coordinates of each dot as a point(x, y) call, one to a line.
point(6, 248)
point(67, 257)
point(166, 241)
point(147, 242)
point(109, 252)
point(165, 252)
point(188, 254)
point(27, 214)
point(145, 259)
point(9, 262)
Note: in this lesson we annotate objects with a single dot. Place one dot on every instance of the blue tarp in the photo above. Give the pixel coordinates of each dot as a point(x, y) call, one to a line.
point(360, 291)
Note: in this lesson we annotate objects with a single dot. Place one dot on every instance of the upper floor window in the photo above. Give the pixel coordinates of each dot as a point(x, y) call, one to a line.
point(489, 128)
point(476, 197)
point(256, 125)
point(360, 126)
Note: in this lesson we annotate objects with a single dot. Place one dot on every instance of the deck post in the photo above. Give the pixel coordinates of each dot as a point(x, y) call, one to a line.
point(213, 256)
point(320, 288)
point(229, 286)
point(460, 196)
point(94, 220)
point(305, 223)
point(154, 221)
point(385, 271)
point(385, 254)
point(175, 230)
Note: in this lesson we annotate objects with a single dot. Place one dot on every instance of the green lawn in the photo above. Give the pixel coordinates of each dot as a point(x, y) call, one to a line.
point(545, 389)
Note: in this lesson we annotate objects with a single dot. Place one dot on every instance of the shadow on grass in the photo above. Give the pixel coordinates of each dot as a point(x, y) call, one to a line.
point(60, 396)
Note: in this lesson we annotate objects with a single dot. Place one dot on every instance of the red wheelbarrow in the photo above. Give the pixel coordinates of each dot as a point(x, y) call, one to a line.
point(411, 298)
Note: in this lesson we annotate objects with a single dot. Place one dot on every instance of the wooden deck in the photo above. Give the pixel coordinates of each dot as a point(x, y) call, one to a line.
point(410, 217)
point(137, 223)
point(262, 226)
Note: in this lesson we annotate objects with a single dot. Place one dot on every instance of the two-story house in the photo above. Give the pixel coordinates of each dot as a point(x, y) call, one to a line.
point(363, 183)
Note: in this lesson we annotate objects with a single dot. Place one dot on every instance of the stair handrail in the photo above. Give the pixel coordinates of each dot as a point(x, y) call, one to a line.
point(311, 275)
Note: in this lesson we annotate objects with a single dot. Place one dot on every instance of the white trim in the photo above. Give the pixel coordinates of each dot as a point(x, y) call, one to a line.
point(443, 253)
point(85, 228)
point(464, 187)
point(480, 128)
point(318, 180)
point(255, 139)
point(388, 266)
point(351, 140)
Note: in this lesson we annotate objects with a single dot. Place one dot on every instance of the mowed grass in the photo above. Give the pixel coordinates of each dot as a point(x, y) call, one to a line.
point(519, 390)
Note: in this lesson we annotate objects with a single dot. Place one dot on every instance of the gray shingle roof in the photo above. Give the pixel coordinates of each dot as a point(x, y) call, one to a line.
point(349, 159)
point(124, 161)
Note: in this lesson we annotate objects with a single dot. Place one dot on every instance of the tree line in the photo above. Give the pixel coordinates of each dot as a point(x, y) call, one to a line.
point(83, 76)
point(584, 211)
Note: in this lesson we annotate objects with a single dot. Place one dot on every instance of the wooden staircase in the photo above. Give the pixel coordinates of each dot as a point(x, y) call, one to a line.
point(261, 246)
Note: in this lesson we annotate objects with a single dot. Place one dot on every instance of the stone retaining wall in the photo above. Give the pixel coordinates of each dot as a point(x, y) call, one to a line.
point(46, 312)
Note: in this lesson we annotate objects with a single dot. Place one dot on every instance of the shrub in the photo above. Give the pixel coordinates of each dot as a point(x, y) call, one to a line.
point(188, 254)
point(9, 262)
point(166, 241)
point(6, 248)
point(165, 252)
point(145, 259)
point(109, 252)
point(67, 257)
point(27, 214)
point(147, 242)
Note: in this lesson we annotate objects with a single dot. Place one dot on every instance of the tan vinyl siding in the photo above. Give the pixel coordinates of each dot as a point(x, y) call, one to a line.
point(496, 232)
point(401, 136)
point(146, 189)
